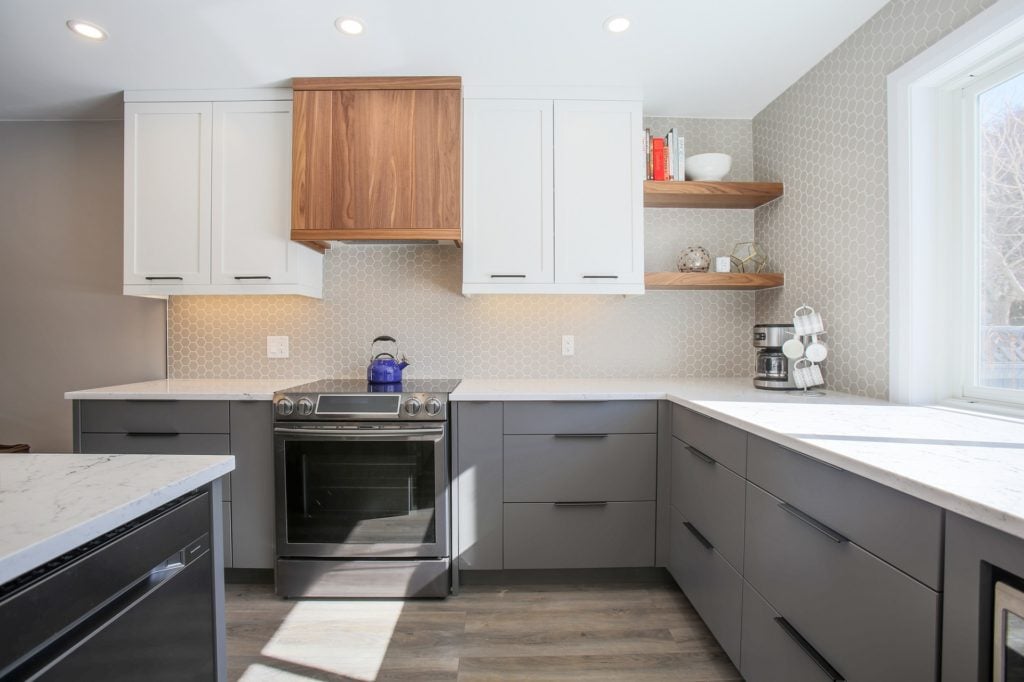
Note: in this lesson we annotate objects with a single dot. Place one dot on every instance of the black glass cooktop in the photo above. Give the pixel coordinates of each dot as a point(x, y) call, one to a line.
point(336, 386)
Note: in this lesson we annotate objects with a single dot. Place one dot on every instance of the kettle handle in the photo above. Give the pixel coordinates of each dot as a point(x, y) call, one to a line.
point(383, 338)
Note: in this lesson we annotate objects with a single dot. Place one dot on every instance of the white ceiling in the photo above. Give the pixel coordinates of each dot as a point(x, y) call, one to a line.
point(697, 58)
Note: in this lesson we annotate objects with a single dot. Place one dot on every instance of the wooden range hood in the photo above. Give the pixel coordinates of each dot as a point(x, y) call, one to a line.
point(376, 159)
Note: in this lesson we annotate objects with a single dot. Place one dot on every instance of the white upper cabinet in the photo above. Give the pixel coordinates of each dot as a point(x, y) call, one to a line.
point(208, 199)
point(508, 219)
point(552, 192)
point(167, 193)
point(598, 179)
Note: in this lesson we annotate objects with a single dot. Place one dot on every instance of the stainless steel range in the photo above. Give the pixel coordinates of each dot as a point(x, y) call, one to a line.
point(362, 489)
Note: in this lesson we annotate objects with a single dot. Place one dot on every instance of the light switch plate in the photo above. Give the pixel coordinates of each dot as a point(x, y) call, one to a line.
point(568, 344)
point(277, 346)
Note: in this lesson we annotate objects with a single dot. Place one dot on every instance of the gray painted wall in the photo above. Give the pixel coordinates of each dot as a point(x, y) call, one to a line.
point(65, 324)
point(826, 139)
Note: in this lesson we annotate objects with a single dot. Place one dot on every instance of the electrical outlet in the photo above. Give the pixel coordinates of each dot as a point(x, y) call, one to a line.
point(277, 346)
point(568, 344)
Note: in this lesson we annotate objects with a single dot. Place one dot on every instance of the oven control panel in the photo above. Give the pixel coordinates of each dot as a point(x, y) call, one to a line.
point(361, 407)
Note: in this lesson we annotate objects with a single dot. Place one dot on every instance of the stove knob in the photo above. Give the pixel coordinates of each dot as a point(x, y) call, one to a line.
point(412, 407)
point(305, 407)
point(433, 406)
point(285, 407)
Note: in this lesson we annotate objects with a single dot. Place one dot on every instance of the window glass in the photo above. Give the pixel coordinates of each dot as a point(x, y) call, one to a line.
point(999, 274)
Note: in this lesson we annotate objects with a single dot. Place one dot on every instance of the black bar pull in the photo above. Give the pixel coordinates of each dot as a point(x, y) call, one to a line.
point(700, 455)
point(175, 277)
point(600, 276)
point(241, 277)
point(697, 534)
point(811, 652)
point(508, 276)
point(581, 435)
point(594, 503)
point(813, 523)
point(151, 434)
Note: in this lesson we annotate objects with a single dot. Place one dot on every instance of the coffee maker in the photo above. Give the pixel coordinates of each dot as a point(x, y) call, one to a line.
point(772, 369)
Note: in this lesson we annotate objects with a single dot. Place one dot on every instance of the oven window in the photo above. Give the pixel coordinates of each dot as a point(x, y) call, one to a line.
point(362, 492)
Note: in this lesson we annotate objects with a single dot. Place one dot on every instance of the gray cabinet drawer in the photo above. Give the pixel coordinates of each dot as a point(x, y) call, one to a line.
point(613, 535)
point(724, 443)
point(903, 530)
point(615, 467)
point(622, 416)
point(869, 620)
point(713, 587)
point(159, 416)
point(770, 653)
point(183, 444)
point(711, 497)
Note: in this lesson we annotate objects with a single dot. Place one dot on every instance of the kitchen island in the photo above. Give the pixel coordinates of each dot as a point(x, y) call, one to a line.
point(97, 552)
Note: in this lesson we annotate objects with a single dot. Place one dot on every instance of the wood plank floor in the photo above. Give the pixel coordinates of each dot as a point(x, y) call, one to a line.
point(646, 631)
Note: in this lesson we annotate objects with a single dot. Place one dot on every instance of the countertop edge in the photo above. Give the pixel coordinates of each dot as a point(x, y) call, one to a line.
point(99, 394)
point(45, 550)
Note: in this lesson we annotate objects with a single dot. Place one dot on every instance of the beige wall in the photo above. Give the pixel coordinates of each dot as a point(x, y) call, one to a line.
point(825, 138)
point(413, 293)
point(63, 321)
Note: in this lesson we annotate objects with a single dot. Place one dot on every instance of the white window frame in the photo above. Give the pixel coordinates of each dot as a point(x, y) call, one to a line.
point(970, 213)
point(925, 230)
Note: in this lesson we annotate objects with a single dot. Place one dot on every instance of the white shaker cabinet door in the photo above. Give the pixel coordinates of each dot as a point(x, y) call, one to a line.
point(508, 214)
point(599, 184)
point(167, 193)
point(252, 194)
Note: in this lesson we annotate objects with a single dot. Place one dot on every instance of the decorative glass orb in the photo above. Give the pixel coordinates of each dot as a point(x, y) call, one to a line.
point(694, 259)
point(749, 257)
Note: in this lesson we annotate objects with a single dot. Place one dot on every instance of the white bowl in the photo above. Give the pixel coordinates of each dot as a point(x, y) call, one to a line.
point(712, 166)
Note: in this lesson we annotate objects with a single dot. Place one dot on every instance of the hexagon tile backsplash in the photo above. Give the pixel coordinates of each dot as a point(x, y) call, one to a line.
point(414, 294)
point(825, 139)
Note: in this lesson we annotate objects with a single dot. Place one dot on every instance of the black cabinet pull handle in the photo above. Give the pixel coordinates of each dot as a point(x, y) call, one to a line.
point(700, 455)
point(600, 276)
point(508, 276)
point(151, 434)
point(582, 504)
point(697, 534)
point(818, 659)
point(241, 277)
point(813, 523)
point(581, 435)
point(153, 279)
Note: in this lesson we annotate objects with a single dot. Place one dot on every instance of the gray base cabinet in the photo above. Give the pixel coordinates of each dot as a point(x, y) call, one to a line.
point(199, 427)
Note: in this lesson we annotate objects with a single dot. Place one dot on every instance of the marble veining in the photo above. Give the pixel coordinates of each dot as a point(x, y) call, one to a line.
point(968, 463)
point(189, 389)
point(52, 503)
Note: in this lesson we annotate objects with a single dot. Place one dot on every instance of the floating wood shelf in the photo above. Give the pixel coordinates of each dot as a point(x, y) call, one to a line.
point(713, 280)
point(696, 194)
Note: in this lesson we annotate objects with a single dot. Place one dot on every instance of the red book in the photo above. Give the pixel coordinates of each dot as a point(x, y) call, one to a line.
point(658, 157)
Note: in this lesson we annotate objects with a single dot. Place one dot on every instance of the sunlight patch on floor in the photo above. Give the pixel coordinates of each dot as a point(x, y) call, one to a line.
point(257, 672)
point(338, 637)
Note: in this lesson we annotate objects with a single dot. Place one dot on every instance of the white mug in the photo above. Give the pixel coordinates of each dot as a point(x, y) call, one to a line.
point(816, 350)
point(793, 349)
point(807, 323)
point(807, 374)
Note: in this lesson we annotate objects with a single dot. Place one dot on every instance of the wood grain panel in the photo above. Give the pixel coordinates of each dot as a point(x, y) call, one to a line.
point(312, 130)
point(437, 183)
point(382, 83)
point(738, 281)
point(696, 194)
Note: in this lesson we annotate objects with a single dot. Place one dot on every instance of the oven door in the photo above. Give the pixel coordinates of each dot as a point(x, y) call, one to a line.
point(362, 490)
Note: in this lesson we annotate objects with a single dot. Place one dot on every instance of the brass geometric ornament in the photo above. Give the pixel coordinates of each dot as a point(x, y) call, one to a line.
point(749, 257)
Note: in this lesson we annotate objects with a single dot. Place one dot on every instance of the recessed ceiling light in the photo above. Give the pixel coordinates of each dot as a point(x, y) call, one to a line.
point(86, 29)
point(616, 24)
point(349, 26)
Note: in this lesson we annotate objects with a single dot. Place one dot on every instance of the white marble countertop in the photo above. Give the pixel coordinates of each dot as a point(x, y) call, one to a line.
point(50, 504)
point(189, 389)
point(968, 463)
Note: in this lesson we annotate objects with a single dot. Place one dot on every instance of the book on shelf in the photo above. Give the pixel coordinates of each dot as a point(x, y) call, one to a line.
point(680, 158)
point(647, 153)
point(658, 158)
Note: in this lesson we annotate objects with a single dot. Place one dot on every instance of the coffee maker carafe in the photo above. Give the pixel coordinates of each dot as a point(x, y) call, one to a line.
point(772, 369)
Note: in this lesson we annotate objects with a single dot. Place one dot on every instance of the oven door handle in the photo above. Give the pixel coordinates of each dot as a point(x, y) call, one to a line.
point(393, 434)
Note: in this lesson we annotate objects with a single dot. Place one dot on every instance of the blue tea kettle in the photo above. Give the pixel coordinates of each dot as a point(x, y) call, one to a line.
point(384, 368)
